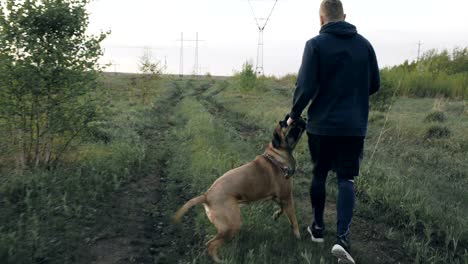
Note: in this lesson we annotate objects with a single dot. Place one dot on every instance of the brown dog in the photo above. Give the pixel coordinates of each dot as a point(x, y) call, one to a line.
point(265, 178)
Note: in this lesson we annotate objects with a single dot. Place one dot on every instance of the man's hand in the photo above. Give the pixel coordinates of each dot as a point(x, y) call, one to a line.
point(290, 121)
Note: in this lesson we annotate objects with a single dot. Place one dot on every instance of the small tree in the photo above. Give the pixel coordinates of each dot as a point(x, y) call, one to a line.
point(48, 77)
point(247, 79)
point(151, 71)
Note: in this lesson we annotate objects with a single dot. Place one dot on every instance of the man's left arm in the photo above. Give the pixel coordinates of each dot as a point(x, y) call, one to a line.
point(374, 74)
point(307, 82)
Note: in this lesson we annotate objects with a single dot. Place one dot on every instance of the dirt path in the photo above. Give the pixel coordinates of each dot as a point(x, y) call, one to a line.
point(127, 229)
point(135, 227)
point(370, 242)
point(236, 120)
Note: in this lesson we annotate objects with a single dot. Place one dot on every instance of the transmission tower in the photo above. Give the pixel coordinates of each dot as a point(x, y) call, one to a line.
point(181, 62)
point(419, 50)
point(115, 65)
point(196, 66)
point(261, 27)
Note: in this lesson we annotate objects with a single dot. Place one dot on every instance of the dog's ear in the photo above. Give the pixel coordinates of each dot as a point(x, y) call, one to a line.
point(276, 142)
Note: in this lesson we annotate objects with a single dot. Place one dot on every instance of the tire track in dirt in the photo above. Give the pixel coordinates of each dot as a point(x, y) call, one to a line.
point(369, 240)
point(237, 120)
point(172, 242)
point(135, 228)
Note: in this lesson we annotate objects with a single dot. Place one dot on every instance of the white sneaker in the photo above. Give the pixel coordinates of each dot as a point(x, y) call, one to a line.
point(342, 254)
point(316, 235)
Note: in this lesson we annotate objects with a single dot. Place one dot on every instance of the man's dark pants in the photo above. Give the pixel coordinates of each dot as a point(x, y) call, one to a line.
point(343, 155)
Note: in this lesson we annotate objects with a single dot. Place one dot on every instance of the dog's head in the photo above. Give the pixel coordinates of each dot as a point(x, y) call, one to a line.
point(286, 137)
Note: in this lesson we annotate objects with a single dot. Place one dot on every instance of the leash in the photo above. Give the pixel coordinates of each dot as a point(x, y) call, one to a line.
point(287, 171)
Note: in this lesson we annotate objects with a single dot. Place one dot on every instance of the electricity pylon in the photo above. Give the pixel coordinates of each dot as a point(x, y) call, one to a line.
point(261, 27)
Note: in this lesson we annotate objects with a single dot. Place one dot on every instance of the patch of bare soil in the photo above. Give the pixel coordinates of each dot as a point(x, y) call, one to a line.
point(127, 229)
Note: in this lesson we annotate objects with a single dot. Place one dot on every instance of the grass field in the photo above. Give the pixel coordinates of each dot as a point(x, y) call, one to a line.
point(116, 203)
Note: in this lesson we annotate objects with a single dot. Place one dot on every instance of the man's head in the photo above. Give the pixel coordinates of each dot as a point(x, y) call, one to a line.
point(331, 11)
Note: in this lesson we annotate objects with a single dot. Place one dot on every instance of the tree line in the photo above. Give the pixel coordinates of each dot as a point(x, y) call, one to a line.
point(436, 74)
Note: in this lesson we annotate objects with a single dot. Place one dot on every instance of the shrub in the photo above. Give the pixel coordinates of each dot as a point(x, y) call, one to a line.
point(261, 84)
point(438, 132)
point(289, 80)
point(246, 79)
point(436, 116)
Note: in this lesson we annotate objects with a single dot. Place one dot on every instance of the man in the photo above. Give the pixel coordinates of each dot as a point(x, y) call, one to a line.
point(339, 72)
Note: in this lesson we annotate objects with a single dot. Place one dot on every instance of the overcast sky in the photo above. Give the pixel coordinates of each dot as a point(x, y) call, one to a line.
point(230, 33)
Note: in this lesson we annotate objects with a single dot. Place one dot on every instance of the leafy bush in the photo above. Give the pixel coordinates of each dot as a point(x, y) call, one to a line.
point(246, 79)
point(289, 80)
point(437, 132)
point(436, 116)
point(261, 84)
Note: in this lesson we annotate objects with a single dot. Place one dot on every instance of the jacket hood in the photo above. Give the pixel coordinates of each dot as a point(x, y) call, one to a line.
point(341, 29)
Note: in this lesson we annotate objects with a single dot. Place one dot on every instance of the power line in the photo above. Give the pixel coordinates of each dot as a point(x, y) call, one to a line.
point(134, 47)
point(257, 18)
point(271, 12)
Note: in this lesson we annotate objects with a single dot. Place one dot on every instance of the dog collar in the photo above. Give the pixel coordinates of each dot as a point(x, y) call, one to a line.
point(286, 170)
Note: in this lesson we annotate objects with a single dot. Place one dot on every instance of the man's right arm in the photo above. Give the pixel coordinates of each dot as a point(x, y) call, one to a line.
point(374, 72)
point(307, 81)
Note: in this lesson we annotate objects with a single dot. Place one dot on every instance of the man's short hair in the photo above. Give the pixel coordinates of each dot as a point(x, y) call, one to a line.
point(332, 10)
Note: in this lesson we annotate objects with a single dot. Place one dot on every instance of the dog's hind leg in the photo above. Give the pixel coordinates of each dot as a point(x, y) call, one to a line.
point(227, 221)
point(291, 213)
point(214, 244)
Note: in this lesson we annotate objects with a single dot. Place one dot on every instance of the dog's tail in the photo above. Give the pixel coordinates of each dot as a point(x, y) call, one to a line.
point(197, 200)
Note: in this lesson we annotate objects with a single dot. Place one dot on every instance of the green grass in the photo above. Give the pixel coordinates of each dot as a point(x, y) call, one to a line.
point(419, 183)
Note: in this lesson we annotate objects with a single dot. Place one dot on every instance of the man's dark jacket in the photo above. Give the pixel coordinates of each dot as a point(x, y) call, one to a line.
point(338, 73)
